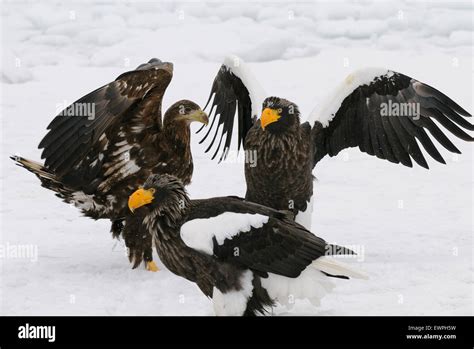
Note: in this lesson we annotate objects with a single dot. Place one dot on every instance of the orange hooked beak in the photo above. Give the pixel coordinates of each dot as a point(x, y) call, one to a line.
point(268, 117)
point(140, 197)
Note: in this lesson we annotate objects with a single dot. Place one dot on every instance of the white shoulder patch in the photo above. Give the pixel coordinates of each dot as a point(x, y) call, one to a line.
point(326, 110)
point(257, 94)
point(198, 233)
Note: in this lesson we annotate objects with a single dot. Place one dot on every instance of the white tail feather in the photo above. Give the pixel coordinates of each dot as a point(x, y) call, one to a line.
point(331, 266)
point(311, 284)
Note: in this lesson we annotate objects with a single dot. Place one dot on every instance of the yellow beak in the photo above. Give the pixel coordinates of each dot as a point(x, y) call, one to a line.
point(140, 198)
point(199, 116)
point(268, 117)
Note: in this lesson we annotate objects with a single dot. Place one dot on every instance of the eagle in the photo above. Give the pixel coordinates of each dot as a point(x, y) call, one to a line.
point(106, 143)
point(385, 113)
point(243, 255)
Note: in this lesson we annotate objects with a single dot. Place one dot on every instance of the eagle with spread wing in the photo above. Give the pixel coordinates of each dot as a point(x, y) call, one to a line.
point(106, 143)
point(385, 113)
point(243, 255)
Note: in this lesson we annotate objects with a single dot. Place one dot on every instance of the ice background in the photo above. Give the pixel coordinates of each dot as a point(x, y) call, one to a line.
point(416, 226)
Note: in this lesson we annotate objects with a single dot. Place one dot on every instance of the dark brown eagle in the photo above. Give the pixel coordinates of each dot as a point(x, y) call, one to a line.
point(105, 144)
point(382, 112)
point(244, 256)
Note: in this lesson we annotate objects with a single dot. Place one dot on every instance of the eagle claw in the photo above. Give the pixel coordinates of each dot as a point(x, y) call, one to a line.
point(151, 266)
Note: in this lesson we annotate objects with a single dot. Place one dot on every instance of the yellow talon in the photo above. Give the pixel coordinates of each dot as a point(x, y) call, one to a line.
point(151, 266)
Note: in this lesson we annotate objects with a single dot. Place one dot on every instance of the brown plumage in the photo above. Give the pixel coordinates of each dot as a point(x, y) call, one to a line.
point(244, 256)
point(285, 151)
point(282, 148)
point(94, 160)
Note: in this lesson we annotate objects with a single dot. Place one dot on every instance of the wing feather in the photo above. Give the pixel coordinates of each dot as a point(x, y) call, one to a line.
point(73, 136)
point(256, 237)
point(235, 93)
point(356, 115)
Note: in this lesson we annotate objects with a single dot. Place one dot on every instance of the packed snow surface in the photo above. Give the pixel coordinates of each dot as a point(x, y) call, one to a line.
point(412, 227)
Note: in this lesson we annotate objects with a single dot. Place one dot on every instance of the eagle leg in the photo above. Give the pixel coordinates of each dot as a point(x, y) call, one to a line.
point(148, 258)
point(117, 228)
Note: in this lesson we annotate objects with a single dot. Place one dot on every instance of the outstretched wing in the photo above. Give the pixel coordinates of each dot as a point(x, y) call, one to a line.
point(385, 113)
point(235, 92)
point(252, 236)
point(78, 130)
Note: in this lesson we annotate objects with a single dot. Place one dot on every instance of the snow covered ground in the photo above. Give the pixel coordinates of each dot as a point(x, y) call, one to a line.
point(414, 227)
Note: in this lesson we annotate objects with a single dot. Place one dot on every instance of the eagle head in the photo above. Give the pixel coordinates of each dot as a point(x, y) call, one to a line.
point(186, 111)
point(279, 114)
point(159, 191)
